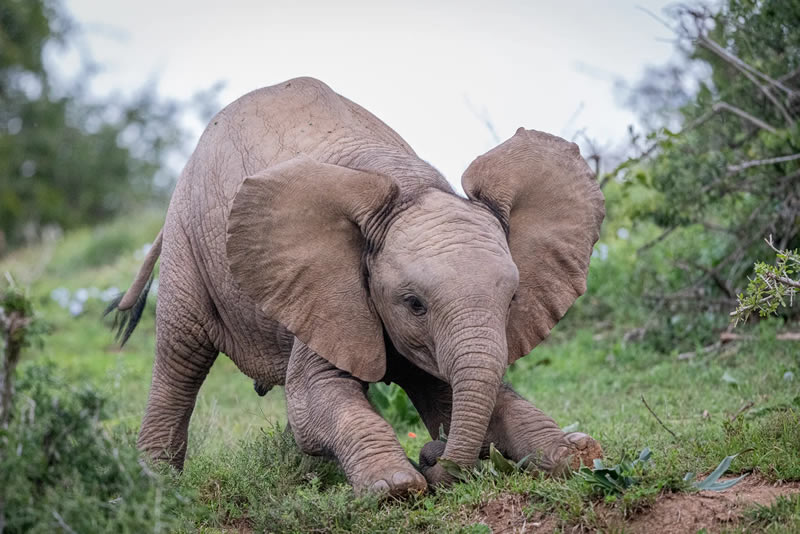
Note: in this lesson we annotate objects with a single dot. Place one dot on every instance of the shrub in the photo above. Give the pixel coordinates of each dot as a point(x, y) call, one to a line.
point(62, 469)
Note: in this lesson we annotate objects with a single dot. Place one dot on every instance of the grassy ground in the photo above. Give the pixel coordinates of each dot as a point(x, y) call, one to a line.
point(243, 473)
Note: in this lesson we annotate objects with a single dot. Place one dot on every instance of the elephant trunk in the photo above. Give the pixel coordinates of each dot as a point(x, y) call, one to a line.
point(473, 361)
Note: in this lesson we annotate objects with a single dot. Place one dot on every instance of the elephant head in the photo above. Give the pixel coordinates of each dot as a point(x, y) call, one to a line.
point(460, 287)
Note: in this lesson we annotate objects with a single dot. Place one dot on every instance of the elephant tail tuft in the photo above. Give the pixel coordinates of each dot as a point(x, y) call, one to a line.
point(125, 320)
point(128, 306)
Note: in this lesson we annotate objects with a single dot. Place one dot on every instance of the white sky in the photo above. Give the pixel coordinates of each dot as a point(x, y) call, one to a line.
point(426, 68)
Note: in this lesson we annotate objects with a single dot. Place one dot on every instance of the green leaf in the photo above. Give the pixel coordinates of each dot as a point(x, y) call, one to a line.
point(453, 468)
point(720, 486)
point(645, 455)
point(500, 463)
point(709, 483)
point(519, 464)
point(727, 377)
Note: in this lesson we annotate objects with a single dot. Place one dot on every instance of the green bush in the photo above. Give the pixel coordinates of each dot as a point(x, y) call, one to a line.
point(61, 469)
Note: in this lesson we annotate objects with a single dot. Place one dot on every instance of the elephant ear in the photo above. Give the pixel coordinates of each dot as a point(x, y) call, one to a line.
point(296, 235)
point(550, 205)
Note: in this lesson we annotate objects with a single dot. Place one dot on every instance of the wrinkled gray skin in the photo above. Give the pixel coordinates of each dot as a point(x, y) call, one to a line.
point(377, 241)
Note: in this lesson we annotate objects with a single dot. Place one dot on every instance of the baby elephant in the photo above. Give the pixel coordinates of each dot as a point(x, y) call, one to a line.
point(308, 242)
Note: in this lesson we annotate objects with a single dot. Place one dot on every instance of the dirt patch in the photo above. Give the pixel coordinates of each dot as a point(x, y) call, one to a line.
point(672, 513)
point(506, 514)
point(676, 513)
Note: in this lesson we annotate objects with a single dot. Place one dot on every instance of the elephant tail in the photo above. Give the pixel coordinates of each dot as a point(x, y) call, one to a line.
point(128, 306)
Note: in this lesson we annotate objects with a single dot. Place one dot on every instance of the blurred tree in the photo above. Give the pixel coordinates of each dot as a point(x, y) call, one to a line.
point(723, 166)
point(67, 159)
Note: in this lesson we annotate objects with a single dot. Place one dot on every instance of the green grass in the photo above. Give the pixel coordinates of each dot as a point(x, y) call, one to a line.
point(242, 470)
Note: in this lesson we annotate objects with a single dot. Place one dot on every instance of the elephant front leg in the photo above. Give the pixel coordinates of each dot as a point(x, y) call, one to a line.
point(329, 415)
point(519, 429)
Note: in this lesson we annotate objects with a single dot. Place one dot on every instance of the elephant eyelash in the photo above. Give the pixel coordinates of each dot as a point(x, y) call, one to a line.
point(415, 305)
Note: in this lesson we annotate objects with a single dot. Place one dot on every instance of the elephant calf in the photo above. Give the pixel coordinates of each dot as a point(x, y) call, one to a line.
point(308, 242)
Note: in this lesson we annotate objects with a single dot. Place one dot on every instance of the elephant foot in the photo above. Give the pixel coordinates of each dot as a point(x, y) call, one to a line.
point(394, 483)
point(583, 450)
point(434, 473)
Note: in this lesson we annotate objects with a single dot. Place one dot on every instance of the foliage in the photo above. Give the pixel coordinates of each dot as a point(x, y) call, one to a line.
point(721, 172)
point(494, 465)
point(62, 469)
point(15, 300)
point(394, 405)
point(618, 478)
point(67, 159)
point(770, 286)
point(711, 483)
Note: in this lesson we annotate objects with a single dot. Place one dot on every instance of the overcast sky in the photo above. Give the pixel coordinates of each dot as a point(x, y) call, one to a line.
point(429, 69)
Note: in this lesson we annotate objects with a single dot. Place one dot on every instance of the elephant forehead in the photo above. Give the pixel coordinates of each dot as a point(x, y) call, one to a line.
point(447, 236)
point(440, 220)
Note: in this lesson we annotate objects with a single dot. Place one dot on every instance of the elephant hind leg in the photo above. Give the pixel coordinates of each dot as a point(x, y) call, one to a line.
point(184, 356)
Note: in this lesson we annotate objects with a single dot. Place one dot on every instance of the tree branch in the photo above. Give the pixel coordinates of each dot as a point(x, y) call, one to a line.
point(703, 40)
point(733, 169)
point(784, 280)
point(745, 115)
point(764, 89)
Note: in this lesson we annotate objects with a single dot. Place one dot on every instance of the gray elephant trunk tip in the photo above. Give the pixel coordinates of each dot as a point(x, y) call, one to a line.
point(261, 389)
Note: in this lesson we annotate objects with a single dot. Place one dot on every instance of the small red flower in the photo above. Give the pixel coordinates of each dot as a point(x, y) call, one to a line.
point(412, 435)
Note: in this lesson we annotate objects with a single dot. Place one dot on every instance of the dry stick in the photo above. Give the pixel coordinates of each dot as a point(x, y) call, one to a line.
point(744, 408)
point(660, 422)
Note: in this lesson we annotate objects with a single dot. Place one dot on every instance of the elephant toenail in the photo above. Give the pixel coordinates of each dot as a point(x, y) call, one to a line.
point(379, 487)
point(402, 479)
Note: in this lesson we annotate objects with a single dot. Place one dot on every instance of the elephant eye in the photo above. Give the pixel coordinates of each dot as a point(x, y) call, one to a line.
point(415, 305)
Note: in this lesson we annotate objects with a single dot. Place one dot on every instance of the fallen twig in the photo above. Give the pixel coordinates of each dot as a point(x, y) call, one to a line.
point(746, 406)
point(707, 348)
point(726, 337)
point(660, 422)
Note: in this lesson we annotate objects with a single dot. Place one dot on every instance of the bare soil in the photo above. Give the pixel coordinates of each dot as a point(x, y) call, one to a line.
point(672, 513)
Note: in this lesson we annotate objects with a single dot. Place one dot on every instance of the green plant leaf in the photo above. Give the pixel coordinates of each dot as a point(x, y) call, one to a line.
point(453, 468)
point(710, 482)
point(728, 378)
point(519, 465)
point(499, 462)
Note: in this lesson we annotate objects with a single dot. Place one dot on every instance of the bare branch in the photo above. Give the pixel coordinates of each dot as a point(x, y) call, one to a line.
point(745, 115)
point(739, 64)
point(733, 169)
point(764, 89)
point(712, 273)
point(655, 241)
point(484, 118)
